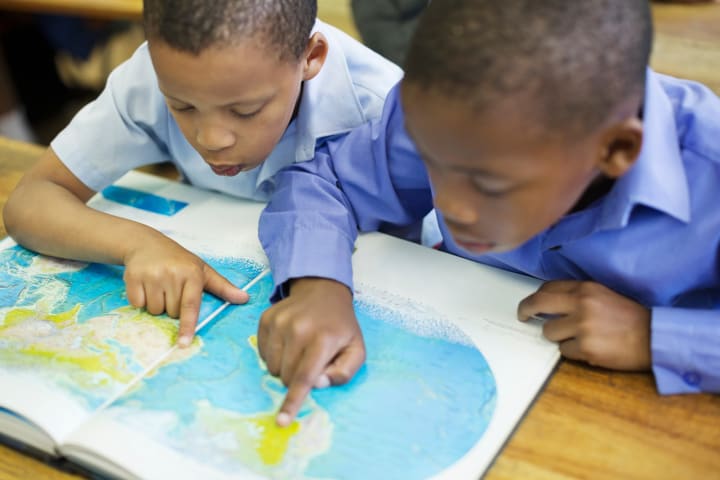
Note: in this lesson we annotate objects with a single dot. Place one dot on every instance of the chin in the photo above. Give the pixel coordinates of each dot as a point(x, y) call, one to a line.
point(510, 246)
point(503, 248)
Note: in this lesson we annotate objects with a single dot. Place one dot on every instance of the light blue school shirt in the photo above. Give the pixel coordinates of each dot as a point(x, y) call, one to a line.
point(654, 237)
point(129, 124)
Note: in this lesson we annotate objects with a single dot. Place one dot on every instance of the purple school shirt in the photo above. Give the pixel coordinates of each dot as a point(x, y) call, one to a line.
point(654, 237)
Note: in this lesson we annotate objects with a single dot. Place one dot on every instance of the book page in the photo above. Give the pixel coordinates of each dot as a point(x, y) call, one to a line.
point(481, 303)
point(449, 373)
point(69, 340)
point(449, 370)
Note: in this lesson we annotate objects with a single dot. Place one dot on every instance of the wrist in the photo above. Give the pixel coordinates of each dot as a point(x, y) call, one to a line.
point(304, 285)
point(139, 237)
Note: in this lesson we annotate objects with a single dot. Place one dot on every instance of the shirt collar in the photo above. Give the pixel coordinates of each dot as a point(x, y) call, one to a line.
point(328, 106)
point(657, 179)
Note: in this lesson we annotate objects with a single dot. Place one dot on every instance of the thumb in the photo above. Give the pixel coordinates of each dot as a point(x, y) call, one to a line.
point(343, 367)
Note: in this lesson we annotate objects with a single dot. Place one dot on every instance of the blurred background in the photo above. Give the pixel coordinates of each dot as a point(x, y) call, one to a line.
point(56, 55)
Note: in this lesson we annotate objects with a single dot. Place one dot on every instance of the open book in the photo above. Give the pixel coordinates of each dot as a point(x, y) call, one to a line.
point(85, 376)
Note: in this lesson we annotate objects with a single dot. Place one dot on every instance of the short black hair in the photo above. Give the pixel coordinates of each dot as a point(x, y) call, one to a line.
point(194, 25)
point(579, 58)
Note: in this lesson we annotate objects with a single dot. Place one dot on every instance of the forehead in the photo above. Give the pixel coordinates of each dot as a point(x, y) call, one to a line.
point(450, 131)
point(242, 68)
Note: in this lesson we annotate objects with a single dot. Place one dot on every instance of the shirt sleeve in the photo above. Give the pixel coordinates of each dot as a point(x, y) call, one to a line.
point(685, 347)
point(124, 128)
point(366, 180)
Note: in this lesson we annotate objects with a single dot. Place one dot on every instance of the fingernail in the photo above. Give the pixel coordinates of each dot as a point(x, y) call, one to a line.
point(282, 419)
point(184, 341)
point(323, 381)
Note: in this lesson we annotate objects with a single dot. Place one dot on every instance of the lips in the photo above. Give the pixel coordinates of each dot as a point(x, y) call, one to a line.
point(473, 246)
point(227, 170)
point(476, 247)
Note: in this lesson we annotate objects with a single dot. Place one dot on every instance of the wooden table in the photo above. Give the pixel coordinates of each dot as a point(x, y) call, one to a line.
point(587, 423)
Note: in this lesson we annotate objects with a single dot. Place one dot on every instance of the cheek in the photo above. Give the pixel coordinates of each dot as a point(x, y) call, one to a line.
point(269, 127)
point(188, 128)
point(260, 137)
point(534, 212)
point(450, 196)
point(510, 219)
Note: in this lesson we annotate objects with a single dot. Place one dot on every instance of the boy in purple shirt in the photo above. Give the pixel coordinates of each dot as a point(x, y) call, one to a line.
point(548, 148)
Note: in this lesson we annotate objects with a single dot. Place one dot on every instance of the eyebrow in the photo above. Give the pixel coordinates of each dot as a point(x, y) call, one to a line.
point(474, 171)
point(257, 102)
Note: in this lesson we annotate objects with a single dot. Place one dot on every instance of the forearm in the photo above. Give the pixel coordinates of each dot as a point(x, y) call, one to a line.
point(47, 218)
point(308, 229)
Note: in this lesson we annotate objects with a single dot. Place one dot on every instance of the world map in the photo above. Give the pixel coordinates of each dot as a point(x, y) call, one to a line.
point(423, 398)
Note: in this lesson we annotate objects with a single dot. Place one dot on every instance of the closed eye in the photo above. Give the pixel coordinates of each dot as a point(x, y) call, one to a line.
point(245, 115)
point(482, 187)
point(184, 109)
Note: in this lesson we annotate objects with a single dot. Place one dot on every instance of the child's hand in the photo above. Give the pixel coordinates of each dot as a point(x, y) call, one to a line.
point(310, 339)
point(164, 277)
point(594, 324)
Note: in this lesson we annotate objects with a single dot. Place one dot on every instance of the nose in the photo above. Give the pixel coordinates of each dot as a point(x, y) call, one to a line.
point(454, 206)
point(214, 137)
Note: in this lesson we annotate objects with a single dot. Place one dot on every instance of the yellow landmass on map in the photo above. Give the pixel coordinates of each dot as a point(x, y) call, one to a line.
point(257, 441)
point(100, 352)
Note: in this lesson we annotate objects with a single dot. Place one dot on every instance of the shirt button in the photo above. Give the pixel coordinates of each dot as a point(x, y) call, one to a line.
point(692, 378)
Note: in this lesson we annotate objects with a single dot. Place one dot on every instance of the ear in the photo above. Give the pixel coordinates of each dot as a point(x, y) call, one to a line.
point(315, 55)
point(622, 143)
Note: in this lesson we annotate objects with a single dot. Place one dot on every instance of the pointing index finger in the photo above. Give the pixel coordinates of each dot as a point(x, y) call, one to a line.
point(189, 311)
point(312, 365)
point(222, 287)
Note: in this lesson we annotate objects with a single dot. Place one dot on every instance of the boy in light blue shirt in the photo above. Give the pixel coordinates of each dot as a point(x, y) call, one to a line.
point(229, 91)
point(548, 148)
